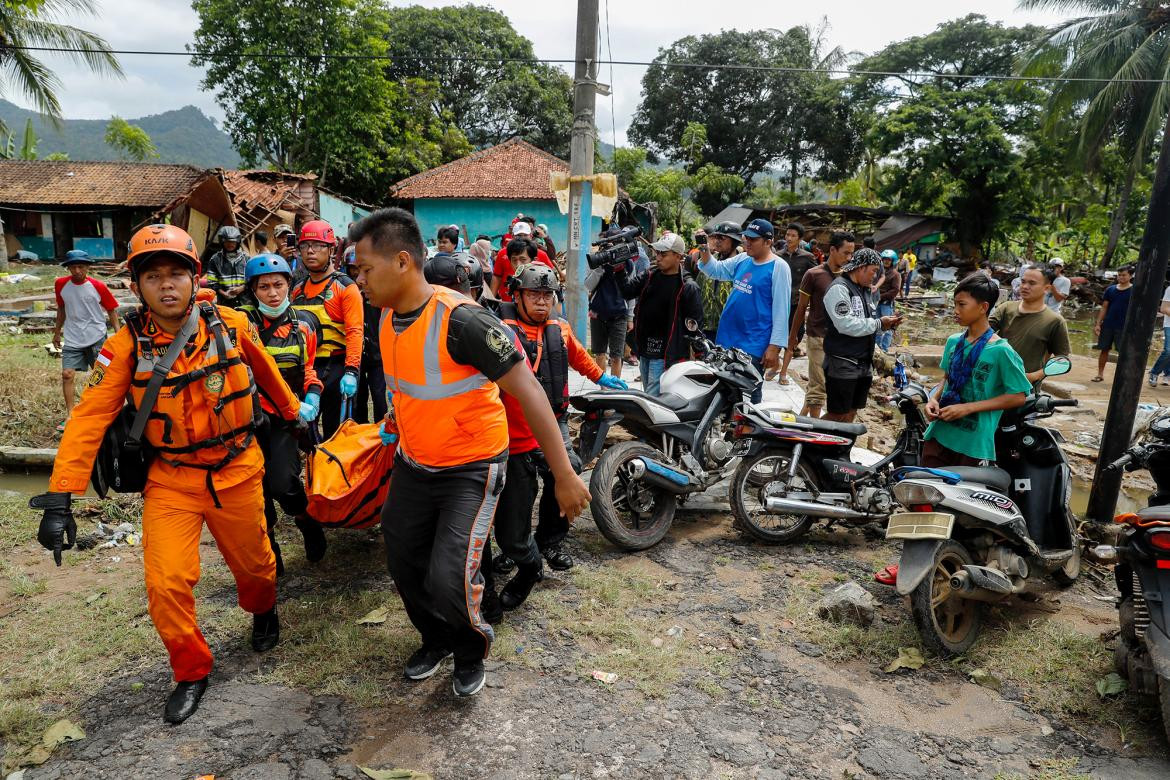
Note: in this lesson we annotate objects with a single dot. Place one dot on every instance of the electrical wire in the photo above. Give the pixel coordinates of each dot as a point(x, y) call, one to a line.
point(612, 82)
point(611, 62)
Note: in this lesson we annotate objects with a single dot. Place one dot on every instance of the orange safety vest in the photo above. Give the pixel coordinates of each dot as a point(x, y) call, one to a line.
point(331, 332)
point(448, 413)
point(219, 372)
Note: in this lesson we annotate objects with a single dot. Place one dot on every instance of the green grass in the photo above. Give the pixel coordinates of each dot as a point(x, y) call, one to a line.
point(1050, 769)
point(31, 405)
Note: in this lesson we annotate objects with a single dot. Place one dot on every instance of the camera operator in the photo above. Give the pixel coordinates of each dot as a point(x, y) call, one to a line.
point(609, 314)
point(755, 317)
point(286, 247)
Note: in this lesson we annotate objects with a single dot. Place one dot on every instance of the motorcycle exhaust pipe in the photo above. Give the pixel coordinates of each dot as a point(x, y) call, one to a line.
point(663, 477)
point(979, 583)
point(788, 506)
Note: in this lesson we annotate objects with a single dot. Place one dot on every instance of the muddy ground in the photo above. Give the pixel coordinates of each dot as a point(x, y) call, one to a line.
point(721, 673)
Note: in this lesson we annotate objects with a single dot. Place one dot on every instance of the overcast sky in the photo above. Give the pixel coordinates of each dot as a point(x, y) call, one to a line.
point(636, 29)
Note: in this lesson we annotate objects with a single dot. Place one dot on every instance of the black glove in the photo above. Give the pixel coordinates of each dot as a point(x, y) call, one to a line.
point(58, 530)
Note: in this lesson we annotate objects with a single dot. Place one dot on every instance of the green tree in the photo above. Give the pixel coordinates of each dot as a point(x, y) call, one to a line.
point(954, 142)
point(31, 23)
point(1116, 61)
point(760, 117)
point(491, 83)
point(336, 116)
point(130, 140)
point(27, 150)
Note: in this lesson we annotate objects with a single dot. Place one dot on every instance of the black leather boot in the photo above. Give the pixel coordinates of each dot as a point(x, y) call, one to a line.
point(184, 700)
point(265, 631)
point(314, 537)
point(516, 591)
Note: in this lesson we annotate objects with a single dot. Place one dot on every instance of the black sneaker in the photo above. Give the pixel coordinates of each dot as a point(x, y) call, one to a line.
point(314, 537)
point(557, 558)
point(265, 631)
point(503, 564)
point(424, 663)
point(184, 700)
point(490, 607)
point(468, 678)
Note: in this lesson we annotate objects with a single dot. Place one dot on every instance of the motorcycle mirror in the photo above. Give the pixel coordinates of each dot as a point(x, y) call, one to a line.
point(691, 325)
point(1057, 366)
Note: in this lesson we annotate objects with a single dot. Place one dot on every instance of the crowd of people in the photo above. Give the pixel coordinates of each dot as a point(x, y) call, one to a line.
point(460, 353)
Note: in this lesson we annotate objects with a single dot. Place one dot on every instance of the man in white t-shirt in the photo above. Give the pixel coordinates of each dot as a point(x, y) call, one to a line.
point(1061, 286)
point(84, 306)
point(1162, 364)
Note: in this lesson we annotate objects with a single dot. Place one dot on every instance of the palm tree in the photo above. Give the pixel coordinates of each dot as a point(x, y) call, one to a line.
point(29, 23)
point(1119, 50)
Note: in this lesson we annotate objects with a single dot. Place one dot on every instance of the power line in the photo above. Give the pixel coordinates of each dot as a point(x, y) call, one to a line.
point(612, 81)
point(611, 62)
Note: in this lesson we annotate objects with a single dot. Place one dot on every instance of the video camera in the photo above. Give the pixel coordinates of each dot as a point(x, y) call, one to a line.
point(615, 250)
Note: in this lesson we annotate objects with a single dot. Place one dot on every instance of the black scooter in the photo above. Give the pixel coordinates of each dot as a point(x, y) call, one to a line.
point(1142, 556)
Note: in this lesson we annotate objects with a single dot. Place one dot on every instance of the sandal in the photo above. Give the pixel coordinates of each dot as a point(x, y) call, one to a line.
point(785, 381)
point(888, 575)
point(1098, 379)
point(61, 428)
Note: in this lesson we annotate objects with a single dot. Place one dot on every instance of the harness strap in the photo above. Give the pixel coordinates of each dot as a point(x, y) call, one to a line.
point(159, 375)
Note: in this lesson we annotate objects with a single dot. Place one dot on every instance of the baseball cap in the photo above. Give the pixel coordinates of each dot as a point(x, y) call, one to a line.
point(522, 229)
point(76, 256)
point(670, 242)
point(1056, 261)
point(283, 229)
point(758, 228)
point(861, 258)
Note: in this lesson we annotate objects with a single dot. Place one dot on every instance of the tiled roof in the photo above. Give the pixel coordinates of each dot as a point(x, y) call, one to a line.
point(50, 183)
point(514, 170)
point(268, 190)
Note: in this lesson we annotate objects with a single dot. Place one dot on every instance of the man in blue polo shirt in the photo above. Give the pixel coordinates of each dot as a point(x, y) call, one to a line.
point(755, 317)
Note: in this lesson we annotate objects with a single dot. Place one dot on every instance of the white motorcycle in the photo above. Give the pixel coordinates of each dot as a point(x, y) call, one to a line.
point(682, 442)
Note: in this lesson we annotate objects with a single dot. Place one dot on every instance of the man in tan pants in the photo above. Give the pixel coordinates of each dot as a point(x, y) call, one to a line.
point(811, 311)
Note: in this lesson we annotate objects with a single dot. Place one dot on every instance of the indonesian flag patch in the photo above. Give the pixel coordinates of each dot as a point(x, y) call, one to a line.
point(105, 356)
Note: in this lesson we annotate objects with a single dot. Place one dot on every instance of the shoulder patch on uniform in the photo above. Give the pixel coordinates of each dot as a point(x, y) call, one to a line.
point(253, 334)
point(842, 308)
point(498, 342)
point(96, 376)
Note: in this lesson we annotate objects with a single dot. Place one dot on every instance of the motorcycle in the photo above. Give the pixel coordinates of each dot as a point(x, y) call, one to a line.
point(1142, 555)
point(975, 535)
point(795, 470)
point(682, 441)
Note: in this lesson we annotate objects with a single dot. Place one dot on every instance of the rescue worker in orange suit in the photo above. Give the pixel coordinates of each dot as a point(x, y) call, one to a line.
point(446, 360)
point(207, 467)
point(290, 337)
point(552, 349)
point(372, 380)
point(333, 298)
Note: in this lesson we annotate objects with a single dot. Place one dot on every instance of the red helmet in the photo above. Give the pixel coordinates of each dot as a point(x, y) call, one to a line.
point(161, 239)
point(317, 230)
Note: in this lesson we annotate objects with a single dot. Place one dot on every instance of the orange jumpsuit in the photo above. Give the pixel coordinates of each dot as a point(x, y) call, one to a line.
point(179, 499)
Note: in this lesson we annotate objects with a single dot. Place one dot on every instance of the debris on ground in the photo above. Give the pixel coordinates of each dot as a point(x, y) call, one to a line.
point(908, 658)
point(105, 536)
point(374, 617)
point(606, 677)
point(848, 603)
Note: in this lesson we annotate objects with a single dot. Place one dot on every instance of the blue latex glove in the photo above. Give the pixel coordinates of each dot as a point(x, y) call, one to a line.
point(348, 385)
point(387, 438)
point(310, 407)
point(611, 382)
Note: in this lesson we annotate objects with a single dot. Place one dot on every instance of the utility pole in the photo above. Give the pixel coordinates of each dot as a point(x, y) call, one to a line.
point(1134, 348)
point(581, 163)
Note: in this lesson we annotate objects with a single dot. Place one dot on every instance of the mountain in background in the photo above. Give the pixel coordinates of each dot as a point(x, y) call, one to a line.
point(186, 135)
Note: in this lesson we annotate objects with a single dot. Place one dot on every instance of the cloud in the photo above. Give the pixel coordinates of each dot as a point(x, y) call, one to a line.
point(636, 32)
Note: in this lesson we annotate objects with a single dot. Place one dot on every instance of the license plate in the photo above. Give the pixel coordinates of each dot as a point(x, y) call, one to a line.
point(920, 525)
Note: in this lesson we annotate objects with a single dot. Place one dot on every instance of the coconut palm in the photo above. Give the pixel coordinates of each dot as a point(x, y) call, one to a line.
point(1120, 52)
point(30, 23)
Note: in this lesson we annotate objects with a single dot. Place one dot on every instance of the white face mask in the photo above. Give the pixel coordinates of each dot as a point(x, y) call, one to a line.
point(272, 311)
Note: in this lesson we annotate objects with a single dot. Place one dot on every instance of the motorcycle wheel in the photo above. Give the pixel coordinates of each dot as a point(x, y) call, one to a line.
point(1164, 703)
point(947, 624)
point(628, 512)
point(749, 486)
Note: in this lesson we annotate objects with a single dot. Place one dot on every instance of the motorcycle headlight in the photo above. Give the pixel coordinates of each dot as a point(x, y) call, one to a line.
point(915, 493)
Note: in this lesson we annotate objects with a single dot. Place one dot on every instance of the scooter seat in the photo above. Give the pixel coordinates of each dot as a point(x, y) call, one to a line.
point(852, 430)
point(995, 478)
point(1158, 513)
point(669, 400)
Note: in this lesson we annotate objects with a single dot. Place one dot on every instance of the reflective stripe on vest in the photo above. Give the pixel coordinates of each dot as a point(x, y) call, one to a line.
point(448, 413)
point(331, 334)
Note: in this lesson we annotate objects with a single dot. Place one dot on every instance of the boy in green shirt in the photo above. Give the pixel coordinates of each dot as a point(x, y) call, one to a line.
point(984, 376)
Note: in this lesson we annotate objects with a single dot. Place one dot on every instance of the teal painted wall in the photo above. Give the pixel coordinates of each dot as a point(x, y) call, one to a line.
point(493, 217)
point(338, 213)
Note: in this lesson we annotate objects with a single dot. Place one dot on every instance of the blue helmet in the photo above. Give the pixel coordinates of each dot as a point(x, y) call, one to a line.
point(889, 254)
point(267, 263)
